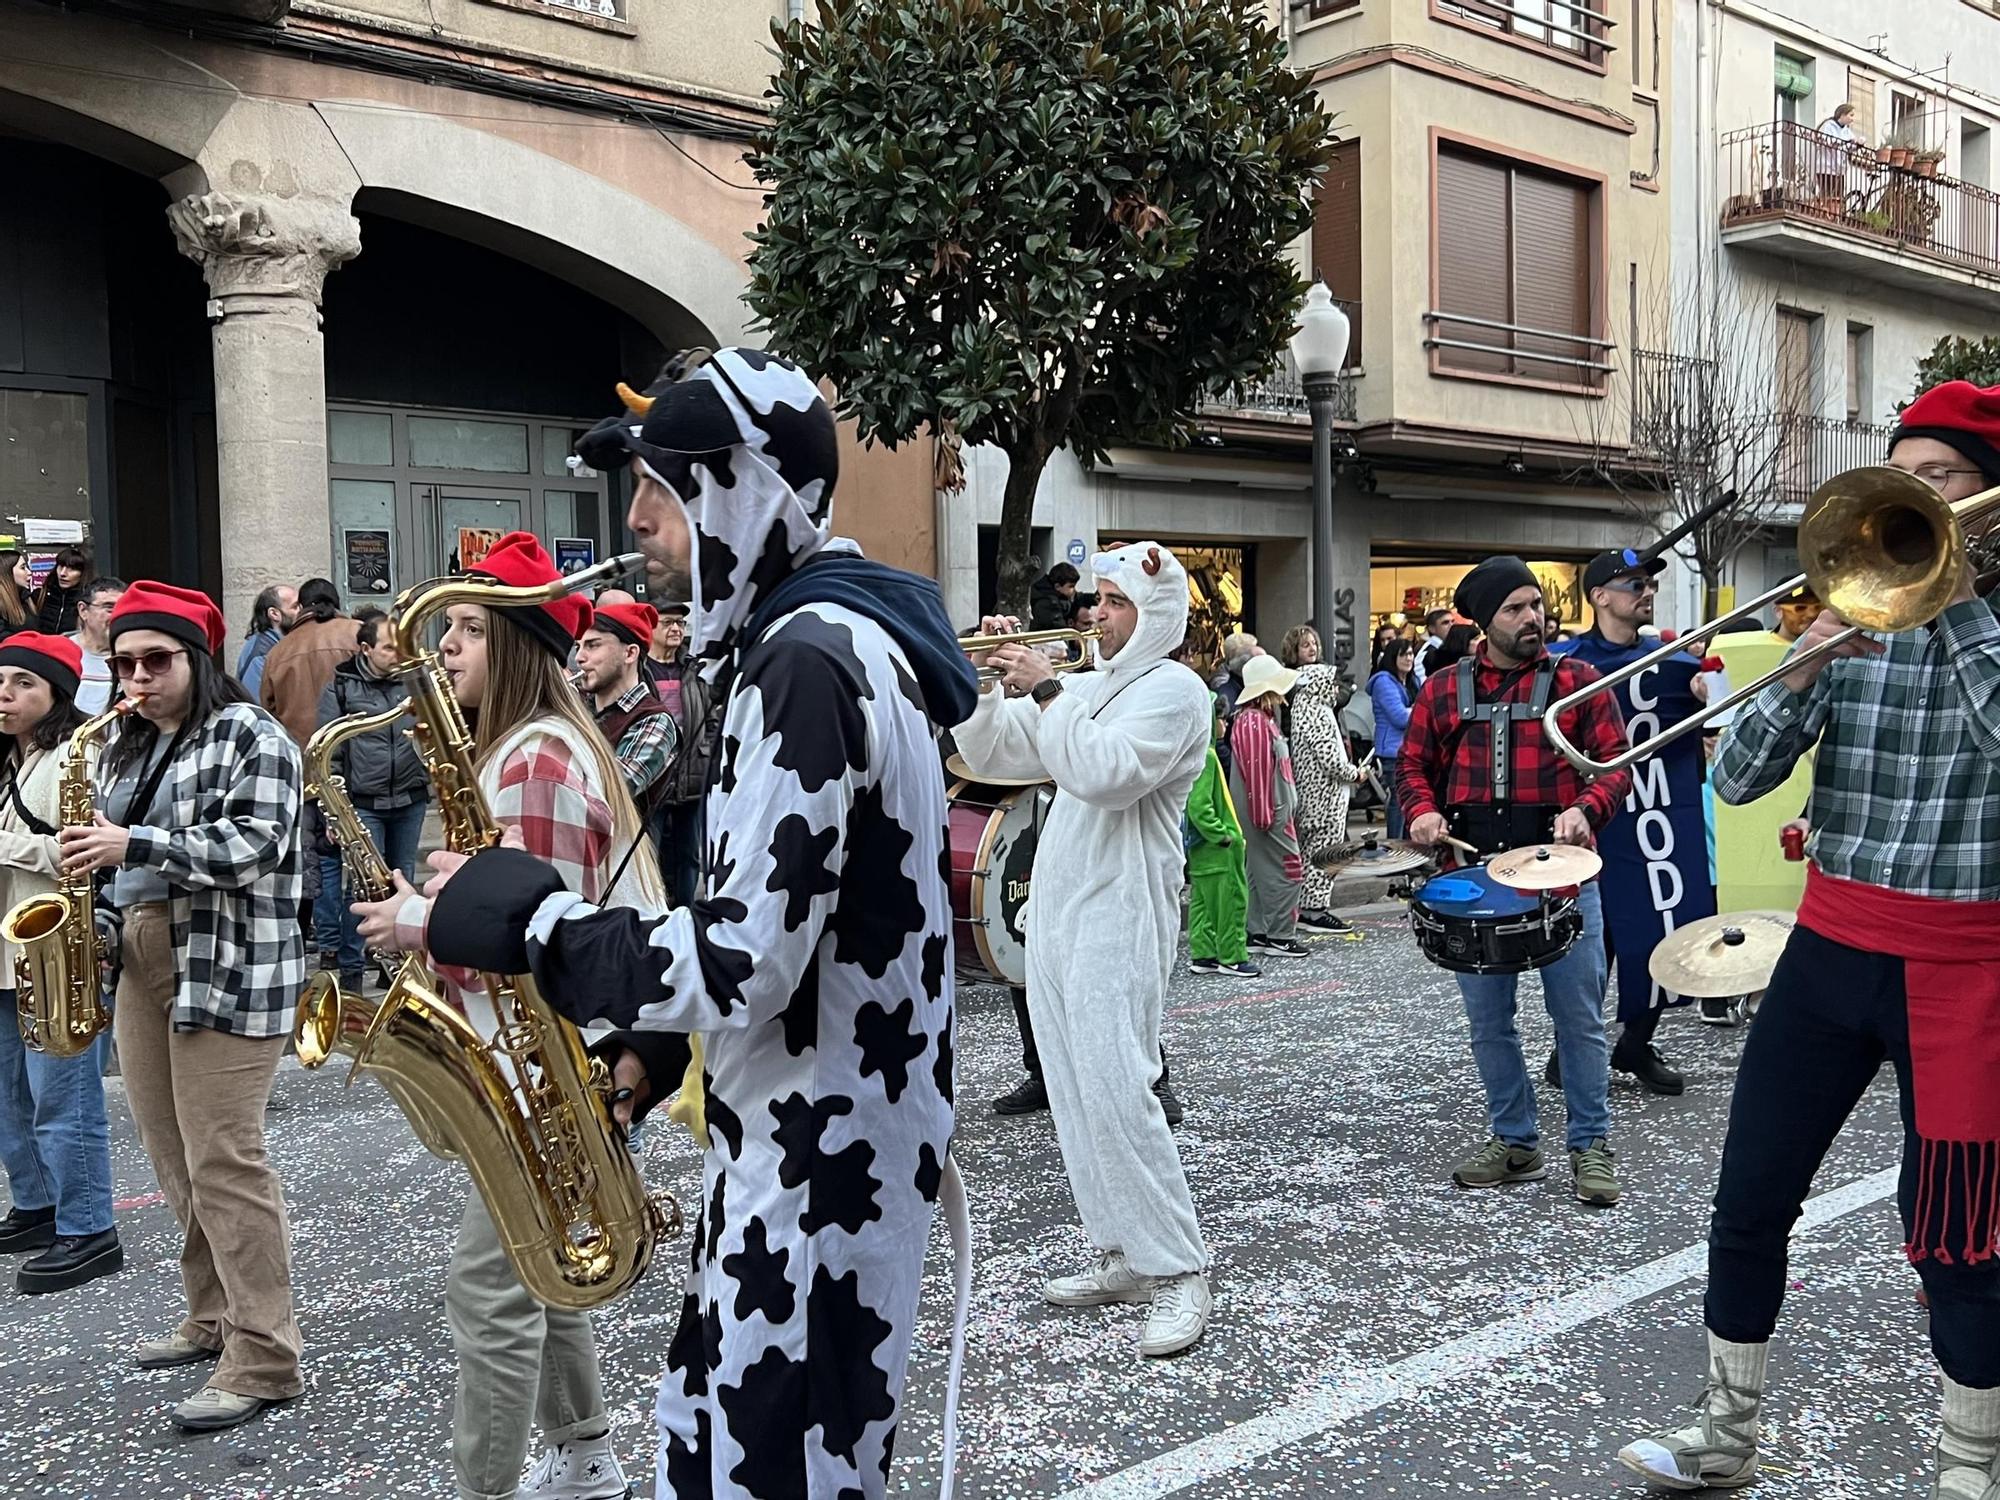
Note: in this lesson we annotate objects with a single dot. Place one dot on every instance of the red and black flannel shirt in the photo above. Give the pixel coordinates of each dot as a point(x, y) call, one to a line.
point(1425, 783)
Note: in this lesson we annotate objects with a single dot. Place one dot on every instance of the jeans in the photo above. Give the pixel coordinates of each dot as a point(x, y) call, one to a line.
point(677, 835)
point(397, 833)
point(328, 905)
point(1393, 816)
point(1573, 992)
point(1831, 1017)
point(54, 1140)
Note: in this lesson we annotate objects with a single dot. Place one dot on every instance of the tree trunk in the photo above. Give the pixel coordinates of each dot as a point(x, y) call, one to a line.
point(1016, 569)
point(1711, 586)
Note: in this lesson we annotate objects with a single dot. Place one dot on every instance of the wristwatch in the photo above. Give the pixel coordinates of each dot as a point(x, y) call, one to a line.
point(1046, 689)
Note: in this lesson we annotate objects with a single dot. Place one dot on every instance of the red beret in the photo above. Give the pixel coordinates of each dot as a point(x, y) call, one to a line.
point(1958, 413)
point(55, 658)
point(185, 614)
point(518, 560)
point(631, 622)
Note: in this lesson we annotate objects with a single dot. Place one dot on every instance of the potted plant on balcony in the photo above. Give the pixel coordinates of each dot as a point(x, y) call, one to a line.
point(1925, 163)
point(1899, 146)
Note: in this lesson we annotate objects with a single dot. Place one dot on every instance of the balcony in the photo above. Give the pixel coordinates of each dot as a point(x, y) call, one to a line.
point(1670, 399)
point(1811, 197)
point(1282, 394)
point(1812, 450)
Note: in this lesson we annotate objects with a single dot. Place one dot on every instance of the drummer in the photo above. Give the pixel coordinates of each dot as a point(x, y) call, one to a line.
point(1477, 765)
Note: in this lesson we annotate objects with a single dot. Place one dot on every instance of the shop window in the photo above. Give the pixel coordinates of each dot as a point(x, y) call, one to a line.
point(1218, 592)
point(364, 532)
point(1517, 272)
point(462, 444)
point(360, 437)
point(45, 455)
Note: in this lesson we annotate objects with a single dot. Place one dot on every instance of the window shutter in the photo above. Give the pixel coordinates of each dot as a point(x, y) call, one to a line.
point(1861, 94)
point(1336, 236)
point(1551, 272)
point(1475, 264)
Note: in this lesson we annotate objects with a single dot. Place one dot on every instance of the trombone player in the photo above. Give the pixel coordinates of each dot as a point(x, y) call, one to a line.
point(1896, 957)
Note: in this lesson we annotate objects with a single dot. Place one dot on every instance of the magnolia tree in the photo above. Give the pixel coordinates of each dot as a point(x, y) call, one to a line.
point(1033, 223)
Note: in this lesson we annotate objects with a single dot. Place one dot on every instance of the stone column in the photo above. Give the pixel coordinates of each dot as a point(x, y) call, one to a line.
point(266, 261)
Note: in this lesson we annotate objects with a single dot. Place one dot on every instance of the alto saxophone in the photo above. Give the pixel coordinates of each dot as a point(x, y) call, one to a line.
point(526, 1108)
point(57, 988)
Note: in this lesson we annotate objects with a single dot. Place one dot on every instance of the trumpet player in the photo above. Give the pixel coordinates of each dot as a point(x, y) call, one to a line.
point(1896, 958)
point(53, 1136)
point(198, 821)
point(549, 776)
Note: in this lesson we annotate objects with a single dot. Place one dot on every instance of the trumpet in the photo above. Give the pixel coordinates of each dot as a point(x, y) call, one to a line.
point(1880, 548)
point(973, 645)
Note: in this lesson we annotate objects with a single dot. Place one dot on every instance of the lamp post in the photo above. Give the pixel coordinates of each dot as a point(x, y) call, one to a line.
point(1320, 350)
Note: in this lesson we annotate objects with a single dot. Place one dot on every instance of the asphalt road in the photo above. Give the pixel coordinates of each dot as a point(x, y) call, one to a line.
point(1377, 1333)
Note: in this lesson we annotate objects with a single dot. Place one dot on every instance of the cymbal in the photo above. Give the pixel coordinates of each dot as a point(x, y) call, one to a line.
point(1545, 867)
point(955, 765)
point(1383, 858)
point(1732, 954)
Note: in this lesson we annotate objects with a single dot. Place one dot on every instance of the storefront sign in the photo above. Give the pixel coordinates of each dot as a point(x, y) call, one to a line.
point(574, 554)
point(41, 533)
point(1343, 628)
point(366, 552)
point(474, 542)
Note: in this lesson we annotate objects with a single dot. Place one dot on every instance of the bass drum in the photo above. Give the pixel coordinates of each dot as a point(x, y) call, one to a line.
point(1466, 921)
point(993, 835)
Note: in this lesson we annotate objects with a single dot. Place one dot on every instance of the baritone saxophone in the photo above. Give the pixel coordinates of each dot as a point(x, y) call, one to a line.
point(526, 1108)
point(58, 991)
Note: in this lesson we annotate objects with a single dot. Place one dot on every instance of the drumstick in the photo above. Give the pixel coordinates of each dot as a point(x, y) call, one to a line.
point(1462, 845)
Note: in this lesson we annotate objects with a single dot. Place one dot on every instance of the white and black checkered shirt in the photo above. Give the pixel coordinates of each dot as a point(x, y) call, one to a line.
point(230, 854)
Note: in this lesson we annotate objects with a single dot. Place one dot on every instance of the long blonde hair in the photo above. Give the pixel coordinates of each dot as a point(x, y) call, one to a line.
point(524, 682)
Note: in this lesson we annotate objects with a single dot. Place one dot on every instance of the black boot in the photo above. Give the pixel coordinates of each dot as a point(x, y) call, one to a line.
point(26, 1229)
point(1553, 1073)
point(1027, 1097)
point(1643, 1062)
point(71, 1261)
point(1168, 1103)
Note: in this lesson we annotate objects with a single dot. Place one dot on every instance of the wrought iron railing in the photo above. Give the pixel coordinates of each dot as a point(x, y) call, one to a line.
point(1812, 450)
point(1568, 27)
point(1888, 194)
point(1281, 392)
point(1483, 346)
point(1670, 395)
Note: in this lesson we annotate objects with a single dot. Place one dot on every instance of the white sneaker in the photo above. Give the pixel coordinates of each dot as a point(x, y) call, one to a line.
point(584, 1470)
point(1110, 1280)
point(1179, 1316)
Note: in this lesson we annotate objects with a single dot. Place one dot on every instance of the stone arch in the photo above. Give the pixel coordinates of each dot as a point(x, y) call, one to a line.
point(484, 187)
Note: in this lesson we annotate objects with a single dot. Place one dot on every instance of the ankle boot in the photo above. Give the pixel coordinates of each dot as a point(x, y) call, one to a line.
point(1720, 1449)
point(1968, 1453)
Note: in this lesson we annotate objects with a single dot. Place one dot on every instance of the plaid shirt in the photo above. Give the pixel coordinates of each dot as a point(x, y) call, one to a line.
point(230, 854)
point(1426, 782)
point(1906, 786)
point(646, 749)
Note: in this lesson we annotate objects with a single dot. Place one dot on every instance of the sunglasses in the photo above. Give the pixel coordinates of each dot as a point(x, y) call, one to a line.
point(1635, 585)
point(156, 663)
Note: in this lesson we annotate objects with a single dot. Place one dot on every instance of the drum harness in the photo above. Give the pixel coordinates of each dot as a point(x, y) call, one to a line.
point(1501, 824)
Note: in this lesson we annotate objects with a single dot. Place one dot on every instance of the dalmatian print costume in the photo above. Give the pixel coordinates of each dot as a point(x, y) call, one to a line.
point(1325, 774)
point(816, 970)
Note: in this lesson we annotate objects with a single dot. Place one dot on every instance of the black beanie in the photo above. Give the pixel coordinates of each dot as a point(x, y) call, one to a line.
point(1482, 591)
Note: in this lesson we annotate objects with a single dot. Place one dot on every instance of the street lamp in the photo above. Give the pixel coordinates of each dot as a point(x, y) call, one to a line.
point(1319, 349)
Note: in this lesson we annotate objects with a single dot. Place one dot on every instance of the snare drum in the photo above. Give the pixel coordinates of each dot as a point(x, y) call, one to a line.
point(993, 833)
point(1467, 921)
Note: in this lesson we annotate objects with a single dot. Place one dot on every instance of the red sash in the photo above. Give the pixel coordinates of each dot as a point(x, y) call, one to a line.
point(1951, 974)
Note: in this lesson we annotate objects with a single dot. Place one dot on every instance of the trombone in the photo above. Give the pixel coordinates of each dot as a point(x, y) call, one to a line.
point(972, 645)
point(1880, 547)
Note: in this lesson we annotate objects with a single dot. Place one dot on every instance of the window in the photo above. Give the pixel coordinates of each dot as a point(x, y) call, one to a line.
point(1794, 393)
point(1336, 237)
point(1576, 28)
point(1793, 78)
point(1632, 40)
point(1861, 94)
point(1647, 142)
point(1517, 276)
point(1975, 154)
point(1317, 8)
point(1860, 350)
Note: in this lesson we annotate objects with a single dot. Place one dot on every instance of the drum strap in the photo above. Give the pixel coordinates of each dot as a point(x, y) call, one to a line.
point(1500, 717)
point(951, 1198)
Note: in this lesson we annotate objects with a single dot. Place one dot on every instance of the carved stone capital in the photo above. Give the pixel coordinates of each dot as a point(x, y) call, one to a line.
point(279, 247)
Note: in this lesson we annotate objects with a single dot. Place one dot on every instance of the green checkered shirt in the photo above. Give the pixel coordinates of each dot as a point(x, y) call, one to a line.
point(1906, 786)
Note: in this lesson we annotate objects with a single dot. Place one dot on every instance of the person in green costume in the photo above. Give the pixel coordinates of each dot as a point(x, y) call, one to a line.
point(1220, 900)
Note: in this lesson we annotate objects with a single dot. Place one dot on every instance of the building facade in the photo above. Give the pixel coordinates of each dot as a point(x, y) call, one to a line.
point(297, 289)
point(1495, 222)
point(1834, 259)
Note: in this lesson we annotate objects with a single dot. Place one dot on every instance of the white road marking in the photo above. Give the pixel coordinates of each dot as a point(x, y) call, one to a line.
point(1443, 1364)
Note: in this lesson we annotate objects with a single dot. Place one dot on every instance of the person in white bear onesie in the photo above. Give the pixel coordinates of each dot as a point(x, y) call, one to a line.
point(1123, 745)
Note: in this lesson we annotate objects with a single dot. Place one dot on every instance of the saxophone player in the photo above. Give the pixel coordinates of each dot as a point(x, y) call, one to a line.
point(199, 821)
point(547, 773)
point(53, 1135)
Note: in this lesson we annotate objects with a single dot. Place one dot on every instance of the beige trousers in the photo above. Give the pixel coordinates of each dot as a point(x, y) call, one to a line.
point(198, 1099)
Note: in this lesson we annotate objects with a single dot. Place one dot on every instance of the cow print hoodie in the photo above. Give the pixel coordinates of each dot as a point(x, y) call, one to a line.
point(817, 967)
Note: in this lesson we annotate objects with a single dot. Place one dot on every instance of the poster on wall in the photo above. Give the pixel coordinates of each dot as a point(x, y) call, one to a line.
point(366, 551)
point(474, 542)
point(574, 554)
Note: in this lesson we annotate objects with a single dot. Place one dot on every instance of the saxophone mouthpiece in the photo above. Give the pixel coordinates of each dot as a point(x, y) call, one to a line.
point(621, 565)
